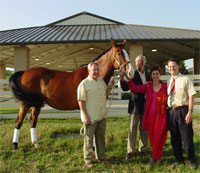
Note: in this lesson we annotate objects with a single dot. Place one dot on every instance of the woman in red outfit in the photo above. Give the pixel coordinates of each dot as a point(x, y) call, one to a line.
point(155, 119)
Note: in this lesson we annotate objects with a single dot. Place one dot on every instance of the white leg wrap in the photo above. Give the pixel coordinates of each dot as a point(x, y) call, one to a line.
point(33, 135)
point(16, 136)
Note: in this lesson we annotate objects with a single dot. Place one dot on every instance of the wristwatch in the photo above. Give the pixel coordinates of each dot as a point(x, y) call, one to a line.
point(190, 110)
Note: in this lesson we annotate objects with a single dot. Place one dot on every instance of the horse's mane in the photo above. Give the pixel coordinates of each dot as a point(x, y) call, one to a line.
point(120, 45)
point(117, 45)
point(97, 57)
point(102, 54)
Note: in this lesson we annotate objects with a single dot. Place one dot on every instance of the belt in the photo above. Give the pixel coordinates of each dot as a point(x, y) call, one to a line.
point(179, 107)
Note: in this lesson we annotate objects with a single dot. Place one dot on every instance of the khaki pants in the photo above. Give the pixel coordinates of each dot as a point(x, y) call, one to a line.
point(96, 130)
point(134, 119)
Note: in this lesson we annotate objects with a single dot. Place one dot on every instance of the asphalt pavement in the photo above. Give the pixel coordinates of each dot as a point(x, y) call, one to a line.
point(117, 108)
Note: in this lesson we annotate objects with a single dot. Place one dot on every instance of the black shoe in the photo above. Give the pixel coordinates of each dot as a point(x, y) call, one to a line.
point(191, 165)
point(142, 153)
point(129, 155)
point(103, 161)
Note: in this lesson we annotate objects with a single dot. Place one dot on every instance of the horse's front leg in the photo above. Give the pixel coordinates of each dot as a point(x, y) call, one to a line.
point(22, 114)
point(34, 117)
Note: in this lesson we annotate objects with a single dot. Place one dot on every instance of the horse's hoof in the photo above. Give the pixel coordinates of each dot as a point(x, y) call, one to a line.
point(15, 146)
point(36, 144)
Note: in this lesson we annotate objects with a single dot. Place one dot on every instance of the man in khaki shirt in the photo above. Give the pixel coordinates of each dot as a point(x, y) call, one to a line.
point(92, 93)
point(180, 101)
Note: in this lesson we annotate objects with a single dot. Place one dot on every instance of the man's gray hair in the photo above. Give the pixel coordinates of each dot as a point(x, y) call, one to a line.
point(91, 64)
point(144, 58)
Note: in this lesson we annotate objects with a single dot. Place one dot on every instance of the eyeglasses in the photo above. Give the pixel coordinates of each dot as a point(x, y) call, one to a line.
point(172, 67)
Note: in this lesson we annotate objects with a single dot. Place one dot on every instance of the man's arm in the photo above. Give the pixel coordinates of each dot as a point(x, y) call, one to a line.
point(84, 111)
point(111, 83)
point(124, 84)
point(188, 117)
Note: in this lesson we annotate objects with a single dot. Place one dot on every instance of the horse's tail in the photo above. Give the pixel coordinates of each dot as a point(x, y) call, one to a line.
point(28, 98)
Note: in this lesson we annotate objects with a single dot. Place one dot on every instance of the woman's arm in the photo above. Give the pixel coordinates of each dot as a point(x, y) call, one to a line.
point(137, 88)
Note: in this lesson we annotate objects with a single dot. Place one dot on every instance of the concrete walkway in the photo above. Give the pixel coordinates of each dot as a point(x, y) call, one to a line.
point(118, 108)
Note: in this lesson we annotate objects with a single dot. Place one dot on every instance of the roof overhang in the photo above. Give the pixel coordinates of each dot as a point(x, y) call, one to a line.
point(68, 47)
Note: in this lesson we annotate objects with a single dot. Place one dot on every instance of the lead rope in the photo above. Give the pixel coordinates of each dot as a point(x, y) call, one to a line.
point(82, 131)
point(108, 108)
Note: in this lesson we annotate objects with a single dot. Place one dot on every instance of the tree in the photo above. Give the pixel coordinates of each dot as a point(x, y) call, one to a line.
point(9, 73)
point(183, 69)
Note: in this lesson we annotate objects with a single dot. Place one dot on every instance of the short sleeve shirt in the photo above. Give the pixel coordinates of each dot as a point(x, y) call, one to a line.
point(93, 92)
point(184, 88)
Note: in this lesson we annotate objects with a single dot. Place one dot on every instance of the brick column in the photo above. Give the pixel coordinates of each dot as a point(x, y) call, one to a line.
point(135, 50)
point(2, 71)
point(3, 76)
point(196, 62)
point(21, 58)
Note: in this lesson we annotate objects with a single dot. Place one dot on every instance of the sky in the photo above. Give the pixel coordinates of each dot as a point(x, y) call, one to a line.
point(166, 13)
point(183, 14)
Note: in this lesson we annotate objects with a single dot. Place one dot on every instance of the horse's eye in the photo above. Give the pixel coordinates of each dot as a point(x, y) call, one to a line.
point(119, 54)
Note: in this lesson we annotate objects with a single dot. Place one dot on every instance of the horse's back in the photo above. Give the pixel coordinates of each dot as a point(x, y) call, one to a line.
point(58, 88)
point(34, 78)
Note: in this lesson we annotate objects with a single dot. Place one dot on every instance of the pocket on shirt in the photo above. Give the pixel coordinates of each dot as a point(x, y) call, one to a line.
point(180, 93)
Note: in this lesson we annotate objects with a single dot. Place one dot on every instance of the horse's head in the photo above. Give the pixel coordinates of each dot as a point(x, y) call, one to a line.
point(121, 59)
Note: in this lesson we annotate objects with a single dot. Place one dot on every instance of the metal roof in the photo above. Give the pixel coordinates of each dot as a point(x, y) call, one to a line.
point(84, 18)
point(70, 42)
point(93, 33)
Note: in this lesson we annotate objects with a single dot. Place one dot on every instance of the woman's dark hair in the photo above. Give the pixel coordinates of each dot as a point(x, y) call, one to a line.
point(155, 68)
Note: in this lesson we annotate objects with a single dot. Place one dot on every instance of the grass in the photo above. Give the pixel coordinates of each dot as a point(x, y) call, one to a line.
point(58, 154)
point(197, 95)
point(15, 110)
point(9, 110)
point(196, 116)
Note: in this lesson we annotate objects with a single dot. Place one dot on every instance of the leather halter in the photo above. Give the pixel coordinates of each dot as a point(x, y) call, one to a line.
point(120, 65)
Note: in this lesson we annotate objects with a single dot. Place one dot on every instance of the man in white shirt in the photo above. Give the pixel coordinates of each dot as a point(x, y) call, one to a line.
point(180, 101)
point(92, 93)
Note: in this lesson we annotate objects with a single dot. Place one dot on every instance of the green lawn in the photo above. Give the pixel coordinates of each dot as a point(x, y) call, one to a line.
point(58, 154)
point(15, 110)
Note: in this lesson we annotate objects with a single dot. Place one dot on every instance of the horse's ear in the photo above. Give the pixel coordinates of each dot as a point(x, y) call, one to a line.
point(112, 42)
point(124, 43)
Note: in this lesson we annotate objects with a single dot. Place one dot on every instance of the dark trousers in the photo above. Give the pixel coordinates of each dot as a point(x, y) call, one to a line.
point(180, 131)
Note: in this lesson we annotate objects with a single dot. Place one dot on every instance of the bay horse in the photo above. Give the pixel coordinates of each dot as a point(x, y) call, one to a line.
point(37, 86)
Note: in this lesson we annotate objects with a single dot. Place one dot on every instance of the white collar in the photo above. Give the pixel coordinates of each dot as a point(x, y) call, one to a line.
point(174, 77)
point(90, 78)
point(141, 73)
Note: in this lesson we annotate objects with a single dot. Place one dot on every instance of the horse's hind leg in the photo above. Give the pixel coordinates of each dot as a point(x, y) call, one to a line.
point(22, 114)
point(34, 117)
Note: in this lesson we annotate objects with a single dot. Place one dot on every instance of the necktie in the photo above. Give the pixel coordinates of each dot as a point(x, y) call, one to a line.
point(172, 88)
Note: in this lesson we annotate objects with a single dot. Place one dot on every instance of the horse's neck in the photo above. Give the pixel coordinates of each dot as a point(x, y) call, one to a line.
point(106, 68)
